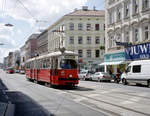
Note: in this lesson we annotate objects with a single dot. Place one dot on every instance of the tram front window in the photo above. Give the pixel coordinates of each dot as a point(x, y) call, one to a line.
point(68, 64)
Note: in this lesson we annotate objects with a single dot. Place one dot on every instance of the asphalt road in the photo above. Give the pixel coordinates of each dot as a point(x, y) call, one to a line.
point(88, 99)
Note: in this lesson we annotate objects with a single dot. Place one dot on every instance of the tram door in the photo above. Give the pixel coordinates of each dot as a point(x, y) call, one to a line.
point(36, 70)
point(54, 70)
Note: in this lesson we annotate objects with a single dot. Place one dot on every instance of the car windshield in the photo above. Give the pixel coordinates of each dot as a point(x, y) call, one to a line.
point(106, 74)
point(83, 72)
point(68, 64)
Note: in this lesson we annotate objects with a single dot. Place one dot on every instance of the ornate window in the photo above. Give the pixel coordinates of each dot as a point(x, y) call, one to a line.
point(88, 53)
point(126, 9)
point(71, 40)
point(136, 35)
point(135, 6)
point(97, 40)
point(145, 4)
point(80, 52)
point(88, 27)
point(126, 36)
point(118, 13)
point(88, 40)
point(97, 27)
point(80, 26)
point(80, 40)
point(97, 53)
point(146, 32)
point(71, 26)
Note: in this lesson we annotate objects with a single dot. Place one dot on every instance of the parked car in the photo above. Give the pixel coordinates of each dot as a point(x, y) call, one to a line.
point(10, 70)
point(83, 74)
point(101, 76)
point(137, 72)
point(17, 71)
point(89, 75)
point(22, 72)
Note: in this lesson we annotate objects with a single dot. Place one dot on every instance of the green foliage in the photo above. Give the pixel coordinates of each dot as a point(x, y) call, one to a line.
point(102, 47)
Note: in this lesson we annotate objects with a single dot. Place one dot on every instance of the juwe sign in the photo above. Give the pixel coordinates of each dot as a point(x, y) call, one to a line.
point(137, 52)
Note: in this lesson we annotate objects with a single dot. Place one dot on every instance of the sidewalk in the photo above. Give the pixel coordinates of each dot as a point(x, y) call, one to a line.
point(6, 107)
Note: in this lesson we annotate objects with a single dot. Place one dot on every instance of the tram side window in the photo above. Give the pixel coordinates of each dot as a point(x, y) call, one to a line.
point(47, 63)
point(43, 62)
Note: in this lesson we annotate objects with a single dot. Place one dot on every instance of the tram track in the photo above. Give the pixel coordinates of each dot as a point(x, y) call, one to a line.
point(108, 103)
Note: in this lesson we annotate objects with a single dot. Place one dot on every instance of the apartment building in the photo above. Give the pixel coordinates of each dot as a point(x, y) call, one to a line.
point(42, 43)
point(81, 31)
point(127, 21)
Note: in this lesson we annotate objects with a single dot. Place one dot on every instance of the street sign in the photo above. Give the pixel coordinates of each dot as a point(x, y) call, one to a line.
point(125, 44)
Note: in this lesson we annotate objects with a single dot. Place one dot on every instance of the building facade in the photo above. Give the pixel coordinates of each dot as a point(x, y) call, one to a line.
point(10, 60)
point(127, 21)
point(81, 31)
point(42, 43)
point(31, 46)
point(16, 59)
point(22, 57)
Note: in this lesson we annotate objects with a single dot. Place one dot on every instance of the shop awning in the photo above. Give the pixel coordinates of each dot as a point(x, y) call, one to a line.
point(112, 63)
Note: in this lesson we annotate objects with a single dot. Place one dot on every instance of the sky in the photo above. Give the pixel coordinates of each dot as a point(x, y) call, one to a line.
point(29, 16)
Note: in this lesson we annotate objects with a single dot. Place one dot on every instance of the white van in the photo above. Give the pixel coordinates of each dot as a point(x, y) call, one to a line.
point(137, 72)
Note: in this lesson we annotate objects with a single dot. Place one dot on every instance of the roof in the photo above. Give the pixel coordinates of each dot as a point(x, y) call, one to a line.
point(53, 54)
point(92, 13)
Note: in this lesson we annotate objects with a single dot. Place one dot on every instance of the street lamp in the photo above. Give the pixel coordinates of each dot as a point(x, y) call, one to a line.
point(9, 25)
point(1, 43)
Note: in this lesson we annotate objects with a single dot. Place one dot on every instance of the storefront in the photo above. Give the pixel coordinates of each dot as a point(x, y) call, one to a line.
point(114, 62)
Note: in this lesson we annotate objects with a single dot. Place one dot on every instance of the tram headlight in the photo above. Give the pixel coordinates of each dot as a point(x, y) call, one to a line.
point(70, 76)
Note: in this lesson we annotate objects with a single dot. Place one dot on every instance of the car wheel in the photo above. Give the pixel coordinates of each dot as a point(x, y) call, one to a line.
point(148, 83)
point(124, 81)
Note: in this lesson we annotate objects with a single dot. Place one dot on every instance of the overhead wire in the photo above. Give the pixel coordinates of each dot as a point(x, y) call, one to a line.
point(27, 10)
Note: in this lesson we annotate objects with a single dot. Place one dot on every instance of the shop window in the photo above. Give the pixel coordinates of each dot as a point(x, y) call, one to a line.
point(137, 69)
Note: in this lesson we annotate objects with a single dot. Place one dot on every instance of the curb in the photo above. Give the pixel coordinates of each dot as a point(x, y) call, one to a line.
point(10, 109)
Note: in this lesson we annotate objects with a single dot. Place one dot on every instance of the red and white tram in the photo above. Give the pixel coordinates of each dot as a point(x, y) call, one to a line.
point(55, 68)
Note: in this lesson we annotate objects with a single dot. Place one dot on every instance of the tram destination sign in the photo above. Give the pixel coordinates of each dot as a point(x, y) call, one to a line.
point(138, 52)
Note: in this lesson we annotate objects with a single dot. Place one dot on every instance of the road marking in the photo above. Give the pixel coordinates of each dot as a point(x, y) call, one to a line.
point(131, 100)
point(79, 99)
point(92, 95)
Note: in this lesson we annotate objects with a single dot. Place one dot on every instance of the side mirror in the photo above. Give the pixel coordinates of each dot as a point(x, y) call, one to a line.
point(126, 71)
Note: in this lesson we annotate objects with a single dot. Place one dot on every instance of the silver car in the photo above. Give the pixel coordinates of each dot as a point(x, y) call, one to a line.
point(101, 76)
point(83, 74)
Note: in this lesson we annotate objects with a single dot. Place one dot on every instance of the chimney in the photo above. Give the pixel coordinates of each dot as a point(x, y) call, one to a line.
point(85, 8)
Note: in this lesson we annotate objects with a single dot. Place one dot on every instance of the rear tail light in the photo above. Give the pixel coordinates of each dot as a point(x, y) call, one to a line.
point(104, 76)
